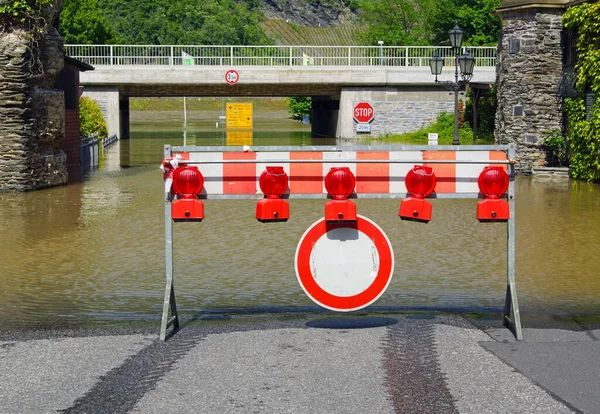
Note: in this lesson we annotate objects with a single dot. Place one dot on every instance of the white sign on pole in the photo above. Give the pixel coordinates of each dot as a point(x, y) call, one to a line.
point(432, 139)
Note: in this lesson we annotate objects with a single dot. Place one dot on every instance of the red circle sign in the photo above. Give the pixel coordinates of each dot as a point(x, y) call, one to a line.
point(363, 112)
point(344, 267)
point(232, 76)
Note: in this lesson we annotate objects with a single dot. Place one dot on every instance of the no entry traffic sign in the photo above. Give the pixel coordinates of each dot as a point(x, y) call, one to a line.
point(232, 76)
point(344, 267)
point(363, 112)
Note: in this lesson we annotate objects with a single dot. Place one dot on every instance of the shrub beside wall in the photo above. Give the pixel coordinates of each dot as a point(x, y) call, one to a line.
point(91, 119)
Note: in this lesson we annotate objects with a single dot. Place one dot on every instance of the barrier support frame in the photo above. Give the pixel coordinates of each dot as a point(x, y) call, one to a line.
point(511, 304)
point(511, 314)
point(169, 301)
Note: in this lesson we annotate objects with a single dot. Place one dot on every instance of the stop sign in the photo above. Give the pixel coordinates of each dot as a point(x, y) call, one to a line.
point(363, 113)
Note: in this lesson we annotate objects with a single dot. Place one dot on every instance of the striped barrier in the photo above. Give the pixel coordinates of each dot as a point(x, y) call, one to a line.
point(380, 171)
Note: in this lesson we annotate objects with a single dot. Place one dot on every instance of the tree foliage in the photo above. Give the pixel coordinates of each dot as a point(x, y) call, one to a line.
point(427, 22)
point(91, 119)
point(208, 22)
point(395, 22)
point(299, 106)
point(83, 22)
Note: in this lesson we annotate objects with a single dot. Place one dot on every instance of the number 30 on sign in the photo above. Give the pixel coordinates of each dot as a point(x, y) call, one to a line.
point(232, 76)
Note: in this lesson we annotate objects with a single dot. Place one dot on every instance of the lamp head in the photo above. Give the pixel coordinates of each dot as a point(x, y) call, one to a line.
point(456, 37)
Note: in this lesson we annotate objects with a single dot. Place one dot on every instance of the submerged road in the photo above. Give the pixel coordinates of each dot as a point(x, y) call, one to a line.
point(305, 363)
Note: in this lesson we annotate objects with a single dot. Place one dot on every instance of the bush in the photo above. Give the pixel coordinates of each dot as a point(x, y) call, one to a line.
point(299, 106)
point(584, 138)
point(91, 119)
point(443, 126)
point(555, 146)
point(486, 114)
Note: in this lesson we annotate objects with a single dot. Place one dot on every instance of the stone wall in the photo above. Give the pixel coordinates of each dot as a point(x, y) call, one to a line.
point(31, 111)
point(397, 109)
point(402, 117)
point(529, 68)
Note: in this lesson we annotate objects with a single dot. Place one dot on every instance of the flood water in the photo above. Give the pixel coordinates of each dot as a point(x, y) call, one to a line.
point(93, 252)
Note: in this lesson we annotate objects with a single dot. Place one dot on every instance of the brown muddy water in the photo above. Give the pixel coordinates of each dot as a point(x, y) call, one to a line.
point(92, 253)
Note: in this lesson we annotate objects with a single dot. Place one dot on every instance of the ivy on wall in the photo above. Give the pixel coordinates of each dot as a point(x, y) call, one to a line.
point(584, 135)
point(28, 14)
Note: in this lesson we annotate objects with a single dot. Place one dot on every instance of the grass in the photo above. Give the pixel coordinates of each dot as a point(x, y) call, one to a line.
point(444, 127)
point(285, 33)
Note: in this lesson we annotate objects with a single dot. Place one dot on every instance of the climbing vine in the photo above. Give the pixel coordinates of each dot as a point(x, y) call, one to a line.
point(584, 135)
point(27, 16)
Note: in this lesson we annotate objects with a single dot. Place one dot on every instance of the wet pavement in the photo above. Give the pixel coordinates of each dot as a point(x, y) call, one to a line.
point(305, 363)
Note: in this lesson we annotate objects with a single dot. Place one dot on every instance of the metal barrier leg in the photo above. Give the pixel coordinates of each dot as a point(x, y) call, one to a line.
point(169, 302)
point(510, 302)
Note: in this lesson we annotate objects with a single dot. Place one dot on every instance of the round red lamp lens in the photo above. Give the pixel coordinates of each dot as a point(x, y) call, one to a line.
point(340, 183)
point(187, 181)
point(420, 181)
point(493, 182)
point(273, 182)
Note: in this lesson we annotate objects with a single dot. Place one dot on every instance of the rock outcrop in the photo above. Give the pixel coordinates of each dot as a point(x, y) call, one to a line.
point(318, 13)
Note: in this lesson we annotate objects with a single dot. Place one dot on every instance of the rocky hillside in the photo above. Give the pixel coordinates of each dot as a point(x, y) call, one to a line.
point(311, 13)
point(305, 22)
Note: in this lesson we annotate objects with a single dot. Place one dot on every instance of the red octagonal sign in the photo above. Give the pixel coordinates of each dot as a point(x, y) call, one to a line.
point(363, 112)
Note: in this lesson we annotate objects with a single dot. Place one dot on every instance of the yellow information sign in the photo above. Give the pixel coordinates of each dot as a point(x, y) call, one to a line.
point(239, 115)
point(239, 138)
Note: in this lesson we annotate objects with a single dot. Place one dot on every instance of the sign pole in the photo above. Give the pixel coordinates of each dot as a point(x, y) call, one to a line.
point(169, 301)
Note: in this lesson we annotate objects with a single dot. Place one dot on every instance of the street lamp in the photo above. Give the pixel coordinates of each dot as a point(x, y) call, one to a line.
point(465, 63)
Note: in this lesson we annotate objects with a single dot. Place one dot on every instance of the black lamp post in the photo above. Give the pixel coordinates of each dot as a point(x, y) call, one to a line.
point(465, 63)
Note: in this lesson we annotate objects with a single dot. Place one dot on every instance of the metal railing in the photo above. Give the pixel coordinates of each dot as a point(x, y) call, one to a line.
point(109, 140)
point(88, 154)
point(118, 55)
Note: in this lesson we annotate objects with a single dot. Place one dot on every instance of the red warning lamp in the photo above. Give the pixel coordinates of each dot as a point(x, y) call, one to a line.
point(420, 182)
point(340, 183)
point(493, 183)
point(273, 182)
point(187, 184)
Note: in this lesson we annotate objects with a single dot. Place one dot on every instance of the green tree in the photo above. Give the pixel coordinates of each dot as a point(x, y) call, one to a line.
point(201, 22)
point(475, 17)
point(299, 106)
point(91, 119)
point(83, 22)
point(396, 22)
point(425, 22)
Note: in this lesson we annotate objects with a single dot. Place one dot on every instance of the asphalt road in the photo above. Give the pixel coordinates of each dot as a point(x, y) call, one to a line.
point(393, 363)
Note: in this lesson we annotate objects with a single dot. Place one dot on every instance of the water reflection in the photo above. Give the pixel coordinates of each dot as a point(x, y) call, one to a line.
point(94, 250)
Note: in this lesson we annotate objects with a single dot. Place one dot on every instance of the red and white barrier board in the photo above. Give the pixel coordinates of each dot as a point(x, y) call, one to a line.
point(223, 176)
point(344, 261)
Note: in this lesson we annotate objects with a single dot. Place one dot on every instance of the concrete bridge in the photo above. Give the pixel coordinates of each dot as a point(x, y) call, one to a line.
point(396, 80)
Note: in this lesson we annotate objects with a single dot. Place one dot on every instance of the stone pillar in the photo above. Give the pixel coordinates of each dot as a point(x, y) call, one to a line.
point(109, 100)
point(32, 112)
point(529, 69)
point(124, 117)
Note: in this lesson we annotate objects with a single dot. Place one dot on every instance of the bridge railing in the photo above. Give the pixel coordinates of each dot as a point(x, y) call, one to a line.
point(118, 55)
